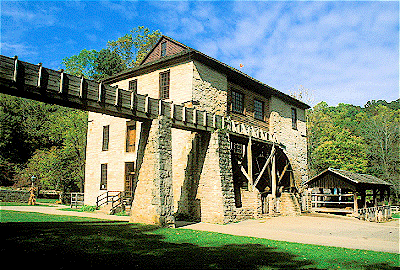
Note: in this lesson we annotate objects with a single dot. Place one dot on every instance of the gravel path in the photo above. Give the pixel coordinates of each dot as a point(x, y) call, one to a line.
point(326, 230)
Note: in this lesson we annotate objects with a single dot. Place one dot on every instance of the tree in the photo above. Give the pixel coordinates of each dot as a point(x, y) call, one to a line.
point(106, 64)
point(381, 130)
point(133, 47)
point(124, 53)
point(81, 64)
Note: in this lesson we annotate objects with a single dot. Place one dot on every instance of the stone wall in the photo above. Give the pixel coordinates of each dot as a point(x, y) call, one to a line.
point(153, 198)
point(180, 83)
point(210, 89)
point(7, 195)
point(294, 140)
point(250, 205)
point(215, 190)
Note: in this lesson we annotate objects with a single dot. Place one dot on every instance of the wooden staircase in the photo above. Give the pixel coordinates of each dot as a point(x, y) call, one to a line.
point(113, 202)
point(289, 205)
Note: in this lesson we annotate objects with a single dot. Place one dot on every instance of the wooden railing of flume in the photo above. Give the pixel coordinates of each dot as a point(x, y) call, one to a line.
point(31, 81)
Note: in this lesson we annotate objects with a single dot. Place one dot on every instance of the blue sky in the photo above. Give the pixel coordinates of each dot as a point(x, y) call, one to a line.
point(343, 52)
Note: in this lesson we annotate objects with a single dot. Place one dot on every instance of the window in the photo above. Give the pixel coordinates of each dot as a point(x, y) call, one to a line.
point(237, 102)
point(164, 85)
point(294, 118)
point(163, 49)
point(130, 136)
point(258, 109)
point(106, 134)
point(103, 179)
point(133, 86)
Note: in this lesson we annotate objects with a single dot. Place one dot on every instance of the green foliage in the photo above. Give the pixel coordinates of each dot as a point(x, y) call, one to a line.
point(133, 47)
point(81, 64)
point(125, 52)
point(363, 140)
point(47, 141)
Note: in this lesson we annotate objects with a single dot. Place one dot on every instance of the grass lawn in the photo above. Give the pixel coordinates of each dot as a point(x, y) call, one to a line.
point(69, 242)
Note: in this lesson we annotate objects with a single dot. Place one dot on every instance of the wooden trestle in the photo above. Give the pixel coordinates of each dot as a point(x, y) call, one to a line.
point(31, 81)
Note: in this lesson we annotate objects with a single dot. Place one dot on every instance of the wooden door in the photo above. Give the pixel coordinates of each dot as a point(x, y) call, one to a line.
point(129, 177)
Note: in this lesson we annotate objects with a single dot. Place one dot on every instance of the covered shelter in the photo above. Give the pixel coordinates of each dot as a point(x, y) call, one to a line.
point(342, 191)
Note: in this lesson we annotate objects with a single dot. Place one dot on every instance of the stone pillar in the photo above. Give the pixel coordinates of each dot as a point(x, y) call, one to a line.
point(153, 199)
point(215, 190)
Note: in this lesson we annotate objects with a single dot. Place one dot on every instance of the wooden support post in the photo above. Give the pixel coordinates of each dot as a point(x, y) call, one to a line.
point(100, 92)
point(147, 104)
point(214, 121)
point(249, 164)
point(184, 114)
point(116, 103)
point(172, 110)
point(39, 82)
point(81, 86)
point(273, 174)
point(374, 197)
point(160, 104)
point(15, 69)
point(195, 116)
point(61, 82)
point(355, 195)
point(133, 101)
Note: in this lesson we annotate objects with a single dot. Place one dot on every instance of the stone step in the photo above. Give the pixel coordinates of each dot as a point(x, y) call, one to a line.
point(289, 204)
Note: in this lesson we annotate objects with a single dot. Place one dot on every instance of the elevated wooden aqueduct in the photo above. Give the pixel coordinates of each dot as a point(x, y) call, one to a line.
point(35, 82)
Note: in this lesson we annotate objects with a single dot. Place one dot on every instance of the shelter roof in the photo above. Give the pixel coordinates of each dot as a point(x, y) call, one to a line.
point(356, 178)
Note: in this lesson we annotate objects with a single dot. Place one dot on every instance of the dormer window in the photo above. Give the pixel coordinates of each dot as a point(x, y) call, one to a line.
point(163, 49)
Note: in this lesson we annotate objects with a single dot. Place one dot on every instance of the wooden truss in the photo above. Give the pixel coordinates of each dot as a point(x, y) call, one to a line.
point(269, 167)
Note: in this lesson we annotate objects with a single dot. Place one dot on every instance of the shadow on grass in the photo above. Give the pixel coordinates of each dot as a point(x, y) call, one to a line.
point(54, 245)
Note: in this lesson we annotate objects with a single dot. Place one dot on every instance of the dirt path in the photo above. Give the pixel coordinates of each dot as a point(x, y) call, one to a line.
point(318, 229)
point(56, 210)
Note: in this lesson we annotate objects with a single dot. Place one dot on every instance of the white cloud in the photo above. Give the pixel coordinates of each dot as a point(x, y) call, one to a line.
point(18, 49)
point(346, 52)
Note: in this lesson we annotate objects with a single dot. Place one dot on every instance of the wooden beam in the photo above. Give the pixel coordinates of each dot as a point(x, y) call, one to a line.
point(61, 89)
point(81, 86)
point(39, 82)
point(273, 173)
point(283, 173)
point(15, 75)
point(245, 173)
point(265, 165)
point(249, 164)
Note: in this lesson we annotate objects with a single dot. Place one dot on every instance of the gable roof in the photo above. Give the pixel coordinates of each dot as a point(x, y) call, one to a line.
point(356, 178)
point(160, 40)
point(187, 54)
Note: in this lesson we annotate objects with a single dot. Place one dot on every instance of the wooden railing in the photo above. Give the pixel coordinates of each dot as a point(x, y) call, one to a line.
point(77, 199)
point(31, 81)
point(117, 199)
point(377, 214)
point(315, 203)
point(106, 197)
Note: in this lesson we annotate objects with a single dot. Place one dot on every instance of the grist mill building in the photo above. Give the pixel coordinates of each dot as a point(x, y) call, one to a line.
point(252, 165)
